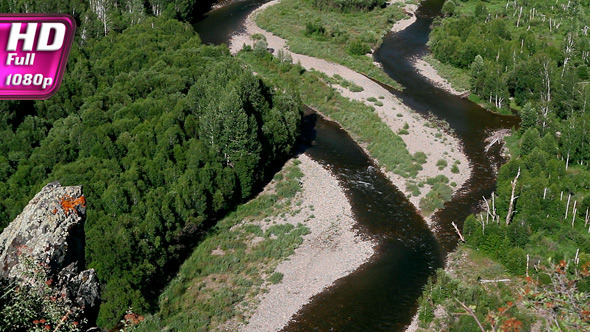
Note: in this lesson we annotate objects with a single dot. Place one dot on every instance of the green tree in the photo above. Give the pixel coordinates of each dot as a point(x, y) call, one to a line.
point(477, 72)
point(530, 140)
point(529, 116)
point(448, 8)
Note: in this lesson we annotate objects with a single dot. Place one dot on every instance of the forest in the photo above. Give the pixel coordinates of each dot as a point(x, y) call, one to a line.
point(533, 58)
point(165, 134)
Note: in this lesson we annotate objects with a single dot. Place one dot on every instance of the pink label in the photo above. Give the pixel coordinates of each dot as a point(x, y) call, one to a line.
point(34, 50)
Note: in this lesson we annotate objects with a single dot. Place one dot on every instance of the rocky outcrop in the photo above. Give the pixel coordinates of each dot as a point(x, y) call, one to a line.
point(50, 231)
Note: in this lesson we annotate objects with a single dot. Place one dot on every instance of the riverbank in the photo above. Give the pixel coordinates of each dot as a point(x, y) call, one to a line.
point(332, 249)
point(426, 69)
point(442, 152)
point(410, 10)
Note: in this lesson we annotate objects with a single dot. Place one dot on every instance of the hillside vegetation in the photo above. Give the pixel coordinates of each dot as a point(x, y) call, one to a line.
point(536, 224)
point(533, 52)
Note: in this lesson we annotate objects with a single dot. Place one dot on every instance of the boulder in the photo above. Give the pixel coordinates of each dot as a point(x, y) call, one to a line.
point(50, 231)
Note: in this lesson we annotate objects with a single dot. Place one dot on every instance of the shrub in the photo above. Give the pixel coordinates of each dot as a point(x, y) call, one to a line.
point(420, 157)
point(314, 29)
point(355, 88)
point(448, 8)
point(358, 47)
point(275, 278)
point(436, 198)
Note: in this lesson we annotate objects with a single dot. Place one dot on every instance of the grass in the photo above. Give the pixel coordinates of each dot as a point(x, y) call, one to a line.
point(414, 188)
point(275, 278)
point(337, 79)
point(441, 164)
point(420, 157)
point(375, 101)
point(360, 120)
point(298, 21)
point(232, 264)
point(440, 193)
point(457, 77)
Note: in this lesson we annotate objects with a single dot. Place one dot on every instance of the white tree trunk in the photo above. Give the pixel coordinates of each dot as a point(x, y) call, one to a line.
point(512, 198)
point(567, 207)
point(458, 232)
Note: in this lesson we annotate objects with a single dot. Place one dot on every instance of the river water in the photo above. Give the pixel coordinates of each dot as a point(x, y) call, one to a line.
point(382, 294)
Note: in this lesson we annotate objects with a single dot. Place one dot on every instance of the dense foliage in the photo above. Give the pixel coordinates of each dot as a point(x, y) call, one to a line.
point(165, 134)
point(98, 17)
point(531, 52)
point(540, 227)
point(534, 54)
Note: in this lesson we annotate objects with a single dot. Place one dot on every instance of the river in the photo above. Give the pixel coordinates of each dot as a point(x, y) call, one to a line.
point(382, 294)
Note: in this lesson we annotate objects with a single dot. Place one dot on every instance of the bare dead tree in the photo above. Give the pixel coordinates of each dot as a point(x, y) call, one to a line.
point(567, 51)
point(567, 207)
point(483, 223)
point(494, 215)
point(546, 95)
point(512, 198)
point(488, 212)
point(100, 8)
point(458, 231)
point(488, 281)
point(545, 193)
point(470, 312)
point(574, 212)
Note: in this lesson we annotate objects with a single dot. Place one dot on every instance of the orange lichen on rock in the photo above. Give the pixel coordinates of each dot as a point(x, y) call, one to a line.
point(70, 204)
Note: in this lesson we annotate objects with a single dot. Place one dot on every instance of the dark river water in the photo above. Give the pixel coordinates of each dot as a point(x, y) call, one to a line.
point(382, 294)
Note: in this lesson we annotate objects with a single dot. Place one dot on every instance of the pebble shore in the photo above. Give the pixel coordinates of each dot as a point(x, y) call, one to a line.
point(332, 250)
